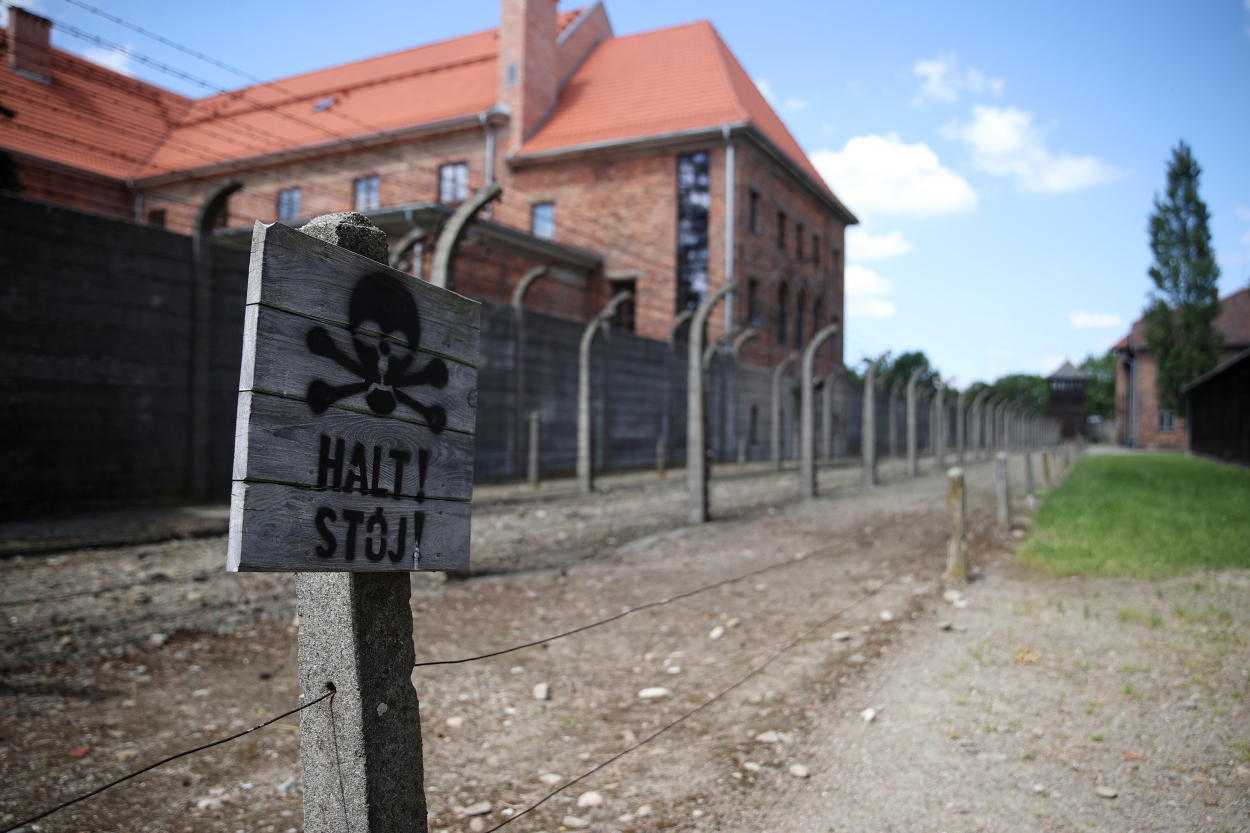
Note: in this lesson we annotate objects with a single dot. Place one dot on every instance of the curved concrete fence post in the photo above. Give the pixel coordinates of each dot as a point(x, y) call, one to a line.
point(775, 425)
point(892, 420)
point(868, 432)
point(519, 362)
point(400, 256)
point(1002, 490)
point(696, 416)
point(734, 351)
point(977, 426)
point(663, 443)
point(807, 412)
point(912, 469)
point(585, 431)
point(939, 424)
point(829, 398)
point(453, 231)
point(961, 426)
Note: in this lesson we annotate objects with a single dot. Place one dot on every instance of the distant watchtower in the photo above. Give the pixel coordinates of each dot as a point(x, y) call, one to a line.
point(1067, 400)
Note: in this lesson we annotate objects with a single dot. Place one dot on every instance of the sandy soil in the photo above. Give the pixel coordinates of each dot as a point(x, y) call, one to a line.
point(171, 652)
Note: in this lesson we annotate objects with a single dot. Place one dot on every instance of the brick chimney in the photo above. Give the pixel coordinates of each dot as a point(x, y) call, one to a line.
point(29, 44)
point(527, 63)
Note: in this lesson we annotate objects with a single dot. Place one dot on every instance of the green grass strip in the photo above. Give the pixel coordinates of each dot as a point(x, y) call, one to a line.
point(1143, 515)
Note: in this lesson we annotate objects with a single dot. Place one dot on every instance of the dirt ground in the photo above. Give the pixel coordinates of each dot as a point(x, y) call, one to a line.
point(1040, 692)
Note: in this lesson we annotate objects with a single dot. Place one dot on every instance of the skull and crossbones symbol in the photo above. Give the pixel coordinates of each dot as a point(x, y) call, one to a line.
point(385, 330)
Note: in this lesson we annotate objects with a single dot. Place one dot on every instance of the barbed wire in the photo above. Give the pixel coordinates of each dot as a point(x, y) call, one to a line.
point(754, 672)
point(71, 802)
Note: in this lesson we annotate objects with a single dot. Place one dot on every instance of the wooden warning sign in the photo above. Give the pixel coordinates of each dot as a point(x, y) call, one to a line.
point(357, 407)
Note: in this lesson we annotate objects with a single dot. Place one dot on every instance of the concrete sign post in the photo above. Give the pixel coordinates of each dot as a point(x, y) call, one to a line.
point(868, 432)
point(776, 434)
point(807, 416)
point(696, 411)
point(911, 418)
point(354, 459)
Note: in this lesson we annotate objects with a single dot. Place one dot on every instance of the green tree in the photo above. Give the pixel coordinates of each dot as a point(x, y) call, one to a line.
point(1100, 389)
point(1028, 389)
point(1182, 309)
point(899, 369)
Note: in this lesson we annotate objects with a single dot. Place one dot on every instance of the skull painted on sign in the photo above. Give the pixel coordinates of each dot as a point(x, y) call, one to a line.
point(385, 329)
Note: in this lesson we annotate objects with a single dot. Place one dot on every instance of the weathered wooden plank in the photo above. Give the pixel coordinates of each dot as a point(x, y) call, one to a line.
point(282, 365)
point(282, 528)
point(449, 322)
point(342, 450)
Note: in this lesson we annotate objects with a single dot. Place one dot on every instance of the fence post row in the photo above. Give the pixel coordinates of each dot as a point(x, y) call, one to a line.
point(807, 413)
point(585, 430)
point(911, 418)
point(868, 431)
point(696, 415)
point(775, 423)
point(518, 374)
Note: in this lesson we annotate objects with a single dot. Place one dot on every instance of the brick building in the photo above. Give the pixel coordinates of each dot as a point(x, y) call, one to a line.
point(646, 161)
point(1140, 422)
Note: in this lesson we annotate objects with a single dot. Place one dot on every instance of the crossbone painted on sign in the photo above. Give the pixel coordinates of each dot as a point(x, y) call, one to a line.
point(385, 329)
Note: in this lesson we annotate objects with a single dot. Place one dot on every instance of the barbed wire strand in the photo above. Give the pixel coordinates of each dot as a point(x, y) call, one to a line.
point(754, 672)
point(628, 611)
point(162, 762)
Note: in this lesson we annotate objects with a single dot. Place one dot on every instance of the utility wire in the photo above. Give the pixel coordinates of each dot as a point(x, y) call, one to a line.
point(773, 657)
point(162, 762)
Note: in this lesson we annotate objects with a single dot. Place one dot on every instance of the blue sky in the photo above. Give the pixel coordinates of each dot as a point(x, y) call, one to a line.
point(1002, 156)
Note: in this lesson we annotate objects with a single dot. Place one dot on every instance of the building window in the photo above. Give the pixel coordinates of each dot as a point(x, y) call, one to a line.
point(1167, 420)
point(626, 310)
point(798, 240)
point(543, 220)
point(753, 300)
point(417, 256)
point(693, 202)
point(753, 213)
point(366, 194)
point(798, 320)
point(781, 229)
point(288, 204)
point(783, 302)
point(453, 182)
point(156, 217)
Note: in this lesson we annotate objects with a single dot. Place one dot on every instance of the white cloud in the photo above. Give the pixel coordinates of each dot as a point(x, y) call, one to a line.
point(865, 293)
point(116, 59)
point(883, 174)
point(765, 89)
point(944, 79)
point(1004, 142)
point(796, 105)
point(1082, 320)
point(863, 245)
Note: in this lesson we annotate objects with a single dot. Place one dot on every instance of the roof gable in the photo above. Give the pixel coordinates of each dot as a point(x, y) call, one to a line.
point(1233, 322)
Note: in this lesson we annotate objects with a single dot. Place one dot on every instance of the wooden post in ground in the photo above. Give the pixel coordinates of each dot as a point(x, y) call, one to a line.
point(807, 415)
point(697, 469)
point(344, 475)
point(776, 435)
point(912, 468)
point(585, 430)
point(1030, 492)
point(868, 431)
point(1002, 490)
point(957, 547)
point(1046, 482)
point(532, 473)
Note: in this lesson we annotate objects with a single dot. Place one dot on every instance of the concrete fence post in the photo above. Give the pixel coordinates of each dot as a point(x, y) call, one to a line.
point(892, 419)
point(532, 474)
point(957, 547)
point(1046, 481)
point(775, 434)
point(361, 759)
point(697, 470)
point(520, 365)
point(807, 413)
point(939, 425)
point(912, 468)
point(735, 351)
point(1002, 490)
point(585, 429)
point(1029, 491)
point(961, 427)
point(666, 413)
point(868, 431)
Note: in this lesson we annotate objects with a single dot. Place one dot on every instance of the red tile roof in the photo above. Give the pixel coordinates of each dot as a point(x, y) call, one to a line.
point(666, 81)
point(89, 118)
point(1233, 322)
